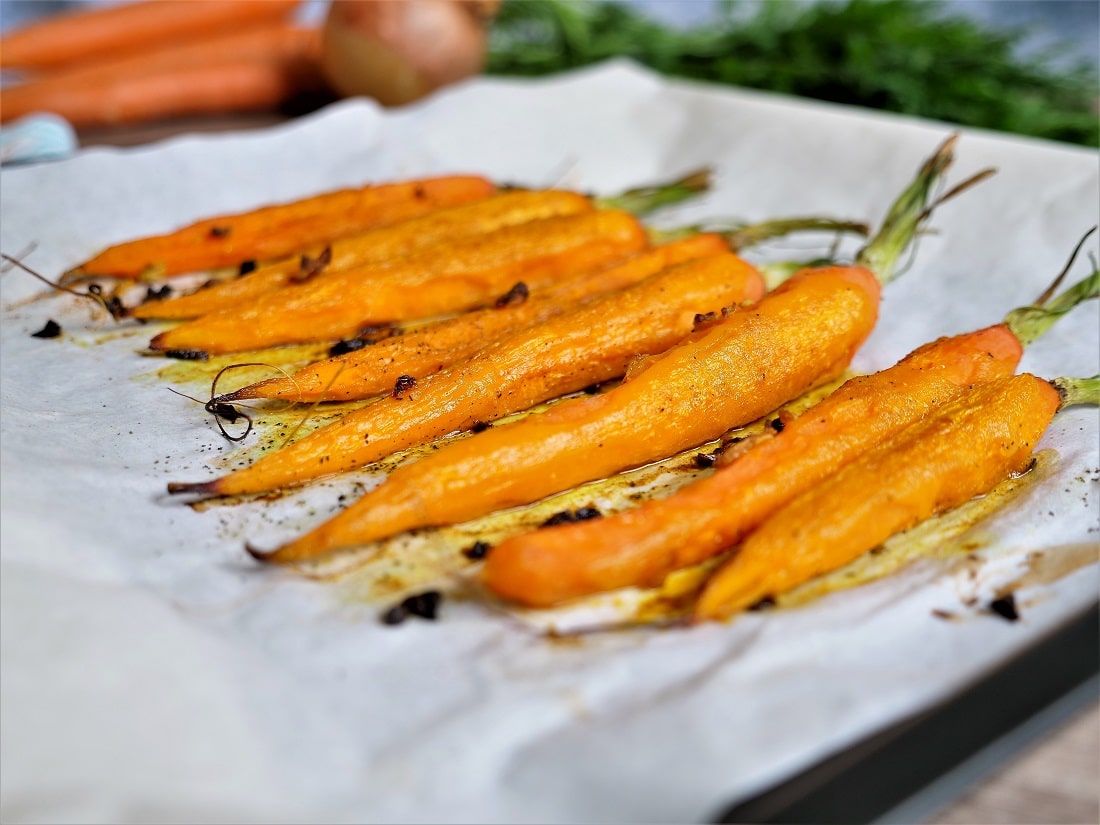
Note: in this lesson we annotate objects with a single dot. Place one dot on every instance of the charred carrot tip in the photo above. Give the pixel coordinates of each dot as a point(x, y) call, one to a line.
point(265, 556)
point(206, 488)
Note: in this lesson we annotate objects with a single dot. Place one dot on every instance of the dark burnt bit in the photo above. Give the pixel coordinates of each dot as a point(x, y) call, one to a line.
point(591, 389)
point(246, 267)
point(514, 296)
point(477, 551)
point(157, 294)
point(187, 354)
point(480, 426)
point(220, 231)
point(422, 605)
point(346, 346)
point(52, 329)
point(1005, 607)
point(570, 516)
point(705, 460)
point(113, 304)
point(702, 319)
point(766, 603)
point(402, 385)
point(309, 267)
point(777, 424)
point(227, 411)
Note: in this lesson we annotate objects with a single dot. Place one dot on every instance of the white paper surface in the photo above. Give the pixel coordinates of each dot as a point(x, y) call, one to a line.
point(152, 672)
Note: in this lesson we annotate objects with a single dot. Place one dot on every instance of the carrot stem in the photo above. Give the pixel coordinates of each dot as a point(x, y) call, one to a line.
point(644, 199)
point(1075, 391)
point(1031, 322)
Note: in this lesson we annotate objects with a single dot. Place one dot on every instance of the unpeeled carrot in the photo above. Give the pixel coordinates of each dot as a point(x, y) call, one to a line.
point(592, 344)
point(639, 547)
point(261, 233)
point(987, 433)
point(88, 34)
point(372, 370)
point(803, 333)
point(466, 274)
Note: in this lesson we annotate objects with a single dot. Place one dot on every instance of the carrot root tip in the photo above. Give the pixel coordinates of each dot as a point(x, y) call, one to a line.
point(206, 488)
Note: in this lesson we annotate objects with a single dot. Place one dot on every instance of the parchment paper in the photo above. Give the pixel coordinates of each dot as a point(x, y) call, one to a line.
point(152, 672)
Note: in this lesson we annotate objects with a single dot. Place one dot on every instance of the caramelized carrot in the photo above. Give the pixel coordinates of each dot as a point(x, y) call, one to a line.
point(261, 233)
point(639, 547)
point(757, 358)
point(443, 225)
point(460, 276)
point(377, 246)
point(84, 35)
point(591, 345)
point(372, 370)
point(987, 433)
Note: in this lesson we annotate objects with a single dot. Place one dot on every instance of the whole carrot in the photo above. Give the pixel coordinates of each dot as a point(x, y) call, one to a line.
point(371, 370)
point(465, 274)
point(592, 344)
point(416, 234)
point(639, 547)
point(801, 334)
point(987, 433)
point(261, 233)
point(87, 34)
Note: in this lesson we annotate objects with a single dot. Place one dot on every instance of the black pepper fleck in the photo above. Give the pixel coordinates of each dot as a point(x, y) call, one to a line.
point(52, 329)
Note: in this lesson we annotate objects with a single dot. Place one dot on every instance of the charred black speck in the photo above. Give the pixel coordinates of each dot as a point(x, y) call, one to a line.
point(227, 411)
point(220, 231)
point(158, 294)
point(480, 426)
point(1005, 607)
point(514, 296)
point(704, 460)
point(591, 389)
point(777, 424)
point(570, 516)
point(476, 551)
point(403, 384)
point(246, 267)
point(766, 603)
point(422, 605)
point(187, 354)
point(52, 329)
point(346, 346)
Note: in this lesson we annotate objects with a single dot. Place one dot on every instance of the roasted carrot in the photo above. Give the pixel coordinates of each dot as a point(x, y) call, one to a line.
point(639, 547)
point(465, 274)
point(261, 234)
point(803, 333)
point(590, 345)
point(987, 433)
point(378, 246)
point(372, 370)
point(84, 35)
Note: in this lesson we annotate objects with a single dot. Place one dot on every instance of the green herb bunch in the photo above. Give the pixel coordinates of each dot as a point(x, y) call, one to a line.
point(906, 56)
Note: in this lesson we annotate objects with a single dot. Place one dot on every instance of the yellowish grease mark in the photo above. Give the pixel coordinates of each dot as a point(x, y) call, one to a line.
point(946, 536)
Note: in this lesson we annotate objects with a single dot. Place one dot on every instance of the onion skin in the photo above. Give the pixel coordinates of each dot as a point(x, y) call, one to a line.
point(397, 51)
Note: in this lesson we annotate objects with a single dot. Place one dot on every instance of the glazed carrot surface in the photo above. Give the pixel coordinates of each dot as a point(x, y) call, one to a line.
point(468, 213)
point(86, 34)
point(260, 233)
point(468, 273)
point(640, 547)
point(588, 346)
point(794, 338)
point(979, 439)
point(373, 369)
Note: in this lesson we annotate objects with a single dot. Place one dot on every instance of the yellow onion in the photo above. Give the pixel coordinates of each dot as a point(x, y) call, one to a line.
point(397, 51)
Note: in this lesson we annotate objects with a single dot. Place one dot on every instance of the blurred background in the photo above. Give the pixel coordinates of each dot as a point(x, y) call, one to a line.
point(1029, 67)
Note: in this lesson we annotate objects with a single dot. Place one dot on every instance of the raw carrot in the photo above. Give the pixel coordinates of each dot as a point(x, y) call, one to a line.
point(639, 547)
point(84, 35)
point(375, 247)
point(460, 276)
point(590, 345)
point(987, 433)
point(261, 233)
point(224, 86)
point(372, 370)
point(803, 333)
